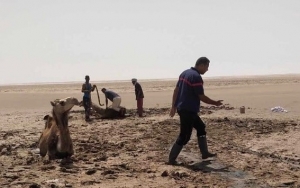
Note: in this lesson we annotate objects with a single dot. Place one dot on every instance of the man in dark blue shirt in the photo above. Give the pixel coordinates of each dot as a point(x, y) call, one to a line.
point(87, 88)
point(186, 101)
point(113, 97)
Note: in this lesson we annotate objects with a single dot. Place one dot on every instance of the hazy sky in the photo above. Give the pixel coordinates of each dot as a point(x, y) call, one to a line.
point(60, 41)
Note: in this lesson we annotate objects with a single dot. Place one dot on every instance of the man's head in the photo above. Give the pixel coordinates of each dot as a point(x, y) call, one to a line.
point(87, 78)
point(133, 81)
point(202, 65)
point(103, 90)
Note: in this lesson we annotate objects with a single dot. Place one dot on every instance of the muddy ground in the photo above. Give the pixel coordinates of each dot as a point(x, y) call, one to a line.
point(133, 152)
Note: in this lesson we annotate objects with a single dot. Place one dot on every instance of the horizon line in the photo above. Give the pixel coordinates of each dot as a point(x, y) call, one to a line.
point(149, 79)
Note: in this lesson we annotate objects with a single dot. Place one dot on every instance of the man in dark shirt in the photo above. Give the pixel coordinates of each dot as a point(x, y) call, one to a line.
point(87, 89)
point(113, 97)
point(187, 95)
point(139, 96)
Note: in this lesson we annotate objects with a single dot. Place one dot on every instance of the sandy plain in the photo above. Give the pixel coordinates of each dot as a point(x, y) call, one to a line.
point(257, 149)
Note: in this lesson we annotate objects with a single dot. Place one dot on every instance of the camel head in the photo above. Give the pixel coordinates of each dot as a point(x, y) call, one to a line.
point(63, 106)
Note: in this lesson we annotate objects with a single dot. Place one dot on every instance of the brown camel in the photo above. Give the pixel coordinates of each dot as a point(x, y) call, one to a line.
point(107, 113)
point(55, 141)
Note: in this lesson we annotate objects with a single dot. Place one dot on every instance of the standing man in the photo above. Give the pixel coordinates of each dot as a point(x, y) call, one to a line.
point(87, 89)
point(113, 97)
point(139, 96)
point(186, 100)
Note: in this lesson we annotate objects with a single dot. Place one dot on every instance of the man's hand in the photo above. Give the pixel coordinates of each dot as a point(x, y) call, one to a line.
point(219, 103)
point(173, 111)
point(94, 86)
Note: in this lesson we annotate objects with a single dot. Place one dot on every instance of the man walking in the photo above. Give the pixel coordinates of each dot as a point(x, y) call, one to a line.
point(113, 97)
point(87, 89)
point(139, 96)
point(186, 100)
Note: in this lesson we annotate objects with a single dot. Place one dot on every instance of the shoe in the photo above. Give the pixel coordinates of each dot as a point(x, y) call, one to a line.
point(176, 149)
point(202, 143)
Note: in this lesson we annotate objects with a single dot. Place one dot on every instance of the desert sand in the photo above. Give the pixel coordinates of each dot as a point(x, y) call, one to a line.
point(257, 149)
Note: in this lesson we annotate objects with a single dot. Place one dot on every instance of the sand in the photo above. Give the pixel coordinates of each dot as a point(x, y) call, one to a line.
point(257, 149)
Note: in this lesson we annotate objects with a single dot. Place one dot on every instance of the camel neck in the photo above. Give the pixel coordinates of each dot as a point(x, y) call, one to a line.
point(61, 120)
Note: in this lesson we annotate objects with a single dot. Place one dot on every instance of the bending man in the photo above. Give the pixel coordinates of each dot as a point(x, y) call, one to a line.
point(139, 96)
point(113, 97)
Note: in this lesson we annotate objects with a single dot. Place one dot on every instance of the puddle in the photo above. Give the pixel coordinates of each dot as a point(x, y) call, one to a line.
point(239, 178)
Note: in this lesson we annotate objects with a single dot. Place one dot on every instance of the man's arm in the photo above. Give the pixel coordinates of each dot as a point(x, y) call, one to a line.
point(106, 101)
point(199, 90)
point(175, 94)
point(93, 88)
point(207, 100)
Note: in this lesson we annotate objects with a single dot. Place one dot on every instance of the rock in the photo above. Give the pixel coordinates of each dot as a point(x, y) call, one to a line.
point(4, 151)
point(34, 185)
point(68, 185)
point(30, 160)
point(179, 174)
point(288, 182)
point(11, 176)
point(91, 171)
point(112, 176)
point(35, 151)
point(47, 167)
point(87, 182)
point(56, 183)
point(165, 174)
point(106, 172)
point(63, 169)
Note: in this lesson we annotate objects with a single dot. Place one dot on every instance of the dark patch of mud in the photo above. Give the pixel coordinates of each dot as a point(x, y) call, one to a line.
point(150, 112)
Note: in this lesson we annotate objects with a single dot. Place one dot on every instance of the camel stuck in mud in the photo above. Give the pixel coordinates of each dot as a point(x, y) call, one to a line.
point(107, 113)
point(55, 141)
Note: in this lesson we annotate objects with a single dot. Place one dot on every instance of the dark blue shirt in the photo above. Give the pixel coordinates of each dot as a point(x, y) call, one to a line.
point(111, 95)
point(87, 87)
point(190, 86)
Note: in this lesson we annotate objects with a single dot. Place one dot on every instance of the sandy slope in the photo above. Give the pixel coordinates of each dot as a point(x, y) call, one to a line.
point(259, 148)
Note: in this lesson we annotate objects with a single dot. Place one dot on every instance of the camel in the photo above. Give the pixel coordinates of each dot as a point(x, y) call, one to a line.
point(107, 113)
point(55, 141)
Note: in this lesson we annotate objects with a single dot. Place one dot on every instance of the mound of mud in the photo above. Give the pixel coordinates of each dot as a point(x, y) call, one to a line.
point(256, 126)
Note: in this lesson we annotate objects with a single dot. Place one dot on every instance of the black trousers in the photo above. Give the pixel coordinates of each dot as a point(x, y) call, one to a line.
point(188, 121)
point(87, 106)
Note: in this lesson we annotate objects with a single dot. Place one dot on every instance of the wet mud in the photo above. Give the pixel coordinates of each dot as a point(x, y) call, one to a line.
point(133, 152)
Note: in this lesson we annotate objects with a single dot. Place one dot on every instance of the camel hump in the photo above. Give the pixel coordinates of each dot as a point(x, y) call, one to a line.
point(48, 120)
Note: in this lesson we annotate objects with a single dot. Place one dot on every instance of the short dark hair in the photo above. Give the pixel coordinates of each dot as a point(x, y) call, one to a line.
point(103, 89)
point(202, 60)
